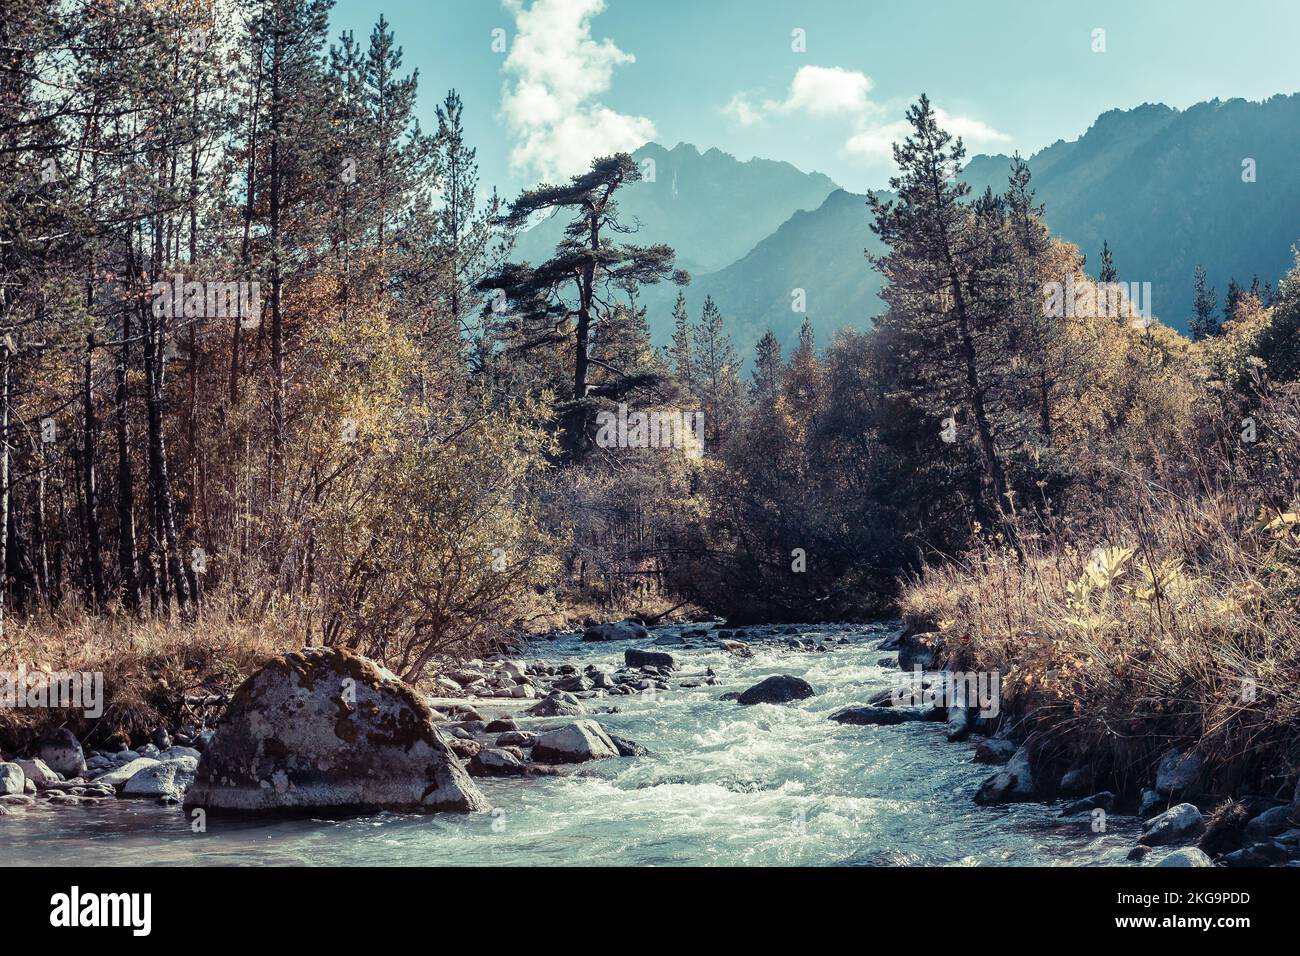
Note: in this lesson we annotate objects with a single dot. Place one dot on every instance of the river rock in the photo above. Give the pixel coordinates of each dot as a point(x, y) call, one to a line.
point(574, 743)
point(635, 657)
point(324, 729)
point(120, 776)
point(516, 738)
point(496, 762)
point(1104, 801)
point(1149, 804)
point(875, 716)
point(1269, 823)
point(1255, 855)
point(176, 750)
point(166, 778)
point(778, 689)
point(958, 721)
point(38, 772)
point(737, 648)
point(558, 704)
point(914, 651)
point(1177, 773)
point(62, 753)
point(1187, 856)
point(1075, 782)
point(628, 748)
point(995, 750)
point(1013, 784)
point(12, 779)
point(516, 669)
point(617, 631)
point(1176, 825)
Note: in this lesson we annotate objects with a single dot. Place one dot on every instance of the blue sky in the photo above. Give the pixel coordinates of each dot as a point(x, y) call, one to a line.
point(578, 77)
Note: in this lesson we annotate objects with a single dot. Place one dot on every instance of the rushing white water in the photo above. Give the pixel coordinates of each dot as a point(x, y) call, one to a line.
point(725, 785)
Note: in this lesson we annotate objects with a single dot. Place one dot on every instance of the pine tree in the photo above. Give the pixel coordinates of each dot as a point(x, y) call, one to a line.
point(1232, 300)
point(568, 285)
point(768, 369)
point(717, 383)
point(947, 288)
point(680, 350)
point(1108, 271)
point(1204, 322)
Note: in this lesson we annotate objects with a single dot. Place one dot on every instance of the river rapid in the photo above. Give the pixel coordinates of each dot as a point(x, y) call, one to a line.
point(724, 785)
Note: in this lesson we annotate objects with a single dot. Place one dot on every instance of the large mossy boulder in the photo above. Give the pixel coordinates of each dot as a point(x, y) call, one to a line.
point(324, 730)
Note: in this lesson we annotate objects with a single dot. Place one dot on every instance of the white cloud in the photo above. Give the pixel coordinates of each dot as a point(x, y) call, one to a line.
point(834, 91)
point(825, 91)
point(551, 104)
point(742, 111)
point(971, 130)
point(876, 142)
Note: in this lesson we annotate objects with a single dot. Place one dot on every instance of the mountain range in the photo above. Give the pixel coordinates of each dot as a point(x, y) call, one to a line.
point(1166, 188)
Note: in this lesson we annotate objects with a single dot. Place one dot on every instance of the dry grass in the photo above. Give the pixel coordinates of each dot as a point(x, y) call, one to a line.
point(1174, 625)
point(149, 665)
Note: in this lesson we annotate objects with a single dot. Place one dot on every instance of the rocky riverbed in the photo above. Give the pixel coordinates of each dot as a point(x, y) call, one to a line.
point(631, 747)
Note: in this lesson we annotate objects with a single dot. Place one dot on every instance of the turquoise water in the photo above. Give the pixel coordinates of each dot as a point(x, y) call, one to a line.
point(726, 785)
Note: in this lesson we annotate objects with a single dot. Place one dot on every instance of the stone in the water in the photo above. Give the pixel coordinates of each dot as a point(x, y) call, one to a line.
point(1269, 823)
point(958, 721)
point(871, 716)
point(635, 657)
point(778, 689)
point(496, 762)
point(574, 743)
point(617, 631)
point(62, 753)
point(1104, 800)
point(1178, 773)
point(124, 772)
point(1013, 784)
point(738, 648)
point(1075, 782)
point(557, 704)
point(12, 779)
point(325, 730)
point(628, 748)
point(38, 772)
point(166, 778)
point(1177, 824)
point(1188, 856)
point(1149, 804)
point(995, 750)
point(501, 725)
point(516, 738)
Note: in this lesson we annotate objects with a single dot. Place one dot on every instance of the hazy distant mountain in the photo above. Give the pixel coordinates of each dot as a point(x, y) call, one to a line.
point(710, 207)
point(820, 252)
point(1164, 187)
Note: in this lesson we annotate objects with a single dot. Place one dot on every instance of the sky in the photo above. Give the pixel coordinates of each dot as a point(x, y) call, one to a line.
point(822, 84)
